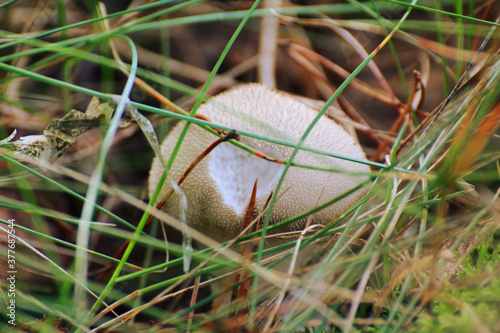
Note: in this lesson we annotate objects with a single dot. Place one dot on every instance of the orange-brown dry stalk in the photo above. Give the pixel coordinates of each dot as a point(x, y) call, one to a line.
point(404, 115)
point(247, 249)
point(193, 301)
point(477, 141)
point(484, 18)
point(246, 252)
point(305, 53)
point(302, 55)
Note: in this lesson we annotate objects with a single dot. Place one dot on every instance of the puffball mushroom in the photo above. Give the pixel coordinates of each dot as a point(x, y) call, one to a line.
point(219, 188)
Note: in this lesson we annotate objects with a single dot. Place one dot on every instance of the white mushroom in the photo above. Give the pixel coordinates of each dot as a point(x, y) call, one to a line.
point(219, 188)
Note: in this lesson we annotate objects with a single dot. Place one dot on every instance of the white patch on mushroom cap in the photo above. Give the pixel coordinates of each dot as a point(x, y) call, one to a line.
point(235, 171)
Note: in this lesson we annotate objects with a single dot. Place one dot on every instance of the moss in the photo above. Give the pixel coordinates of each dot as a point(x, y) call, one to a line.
point(477, 290)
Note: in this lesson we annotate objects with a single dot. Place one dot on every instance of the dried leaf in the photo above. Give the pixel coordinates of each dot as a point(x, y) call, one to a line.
point(61, 133)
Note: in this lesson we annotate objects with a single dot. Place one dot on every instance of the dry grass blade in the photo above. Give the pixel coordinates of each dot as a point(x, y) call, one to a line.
point(268, 45)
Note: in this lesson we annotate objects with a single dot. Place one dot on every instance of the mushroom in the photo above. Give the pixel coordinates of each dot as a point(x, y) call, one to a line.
point(219, 188)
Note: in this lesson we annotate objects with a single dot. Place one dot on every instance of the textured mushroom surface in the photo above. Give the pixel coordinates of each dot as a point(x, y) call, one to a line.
point(219, 188)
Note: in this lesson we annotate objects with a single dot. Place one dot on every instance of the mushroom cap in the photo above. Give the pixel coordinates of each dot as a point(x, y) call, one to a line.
point(219, 188)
